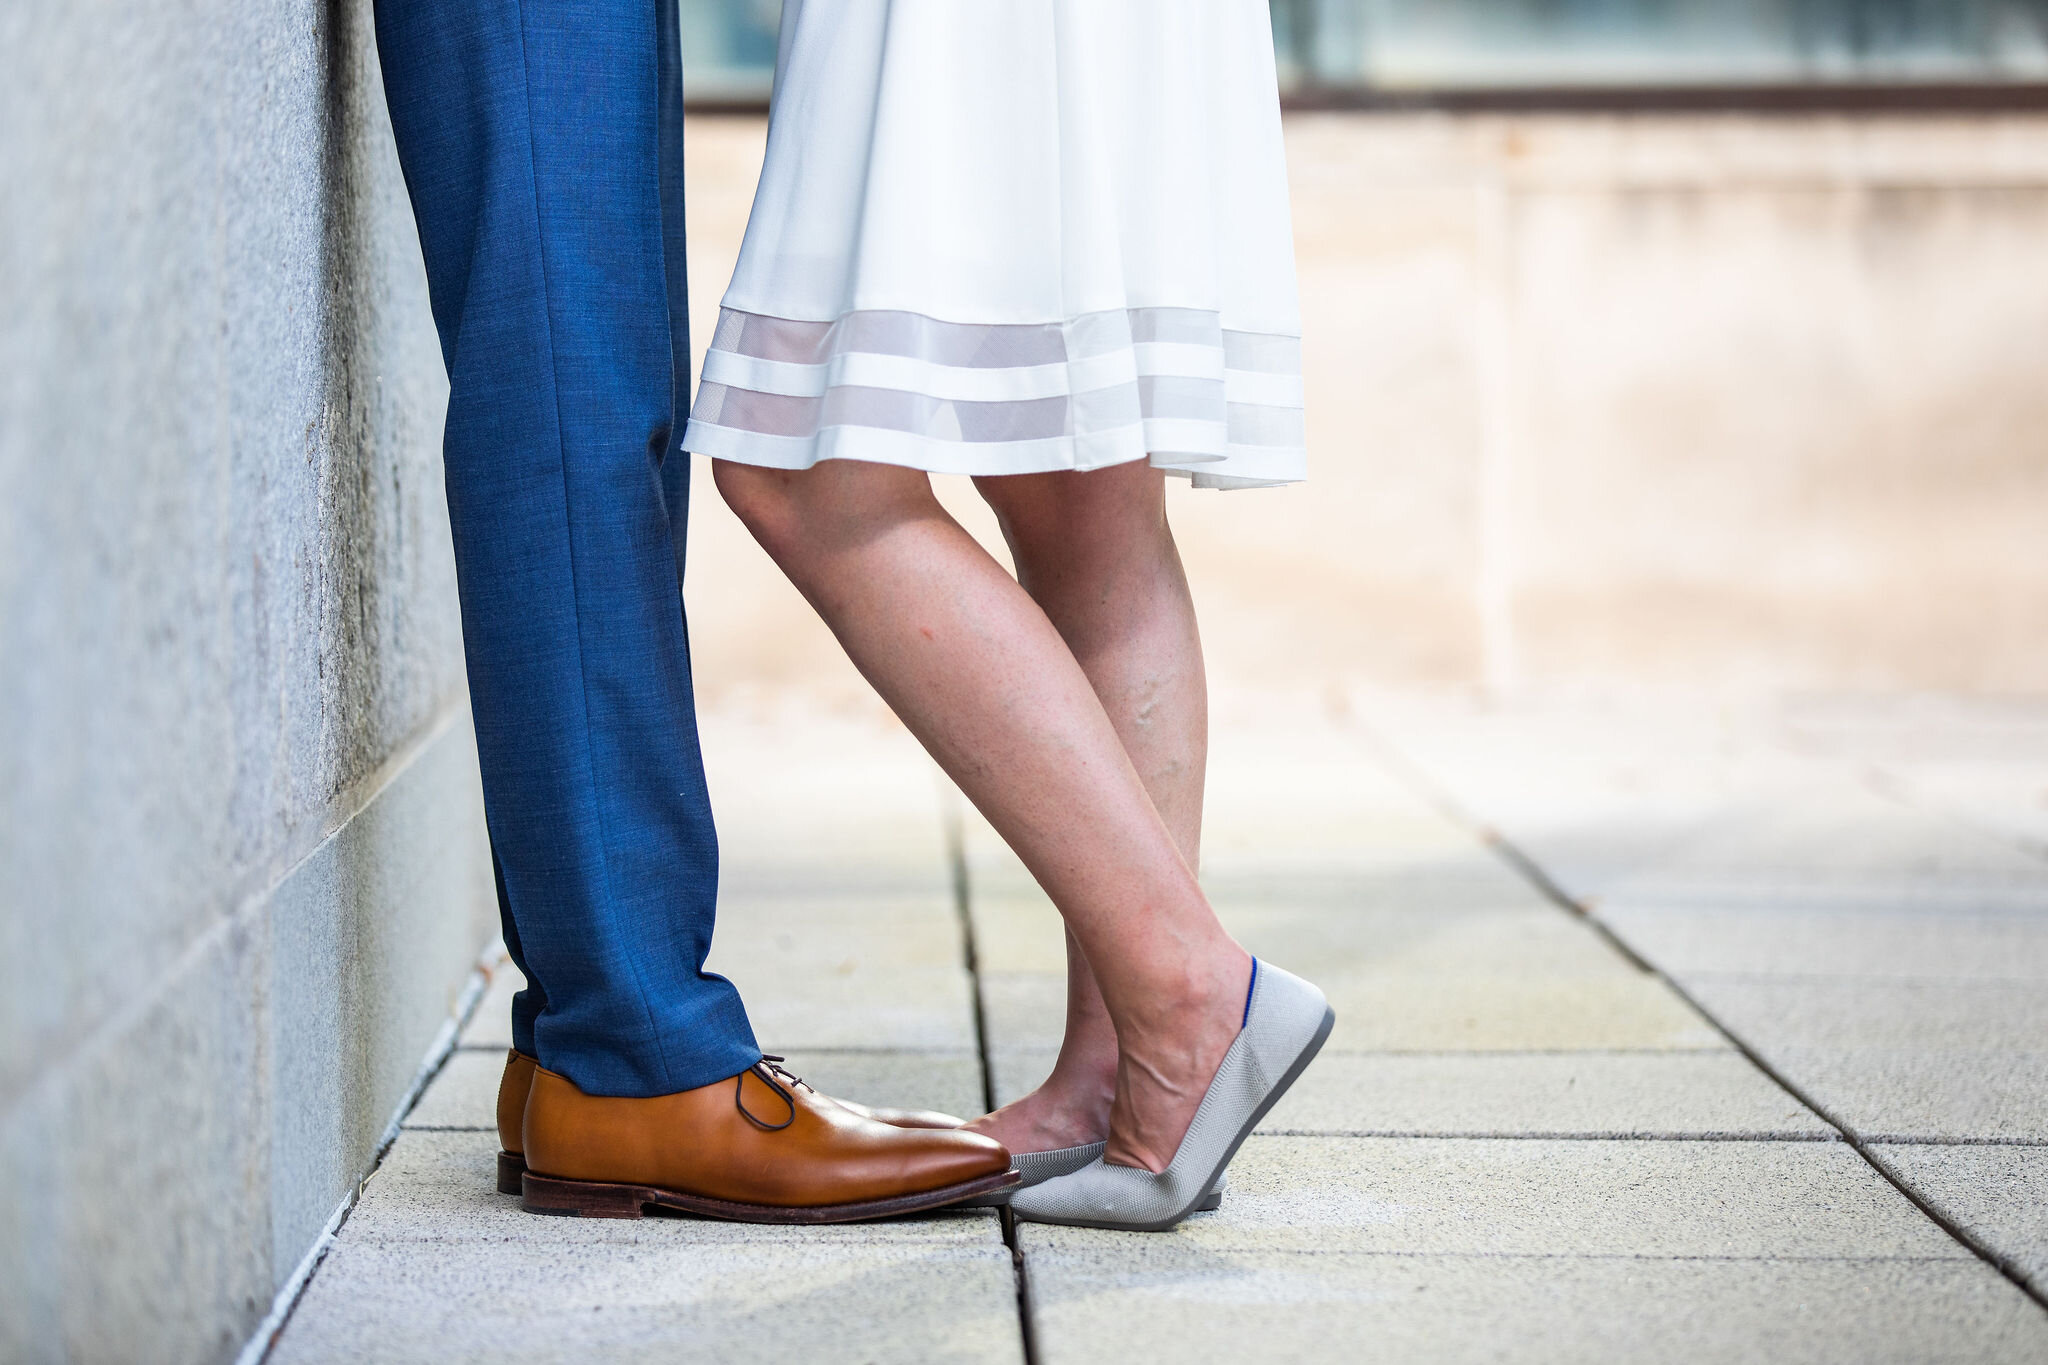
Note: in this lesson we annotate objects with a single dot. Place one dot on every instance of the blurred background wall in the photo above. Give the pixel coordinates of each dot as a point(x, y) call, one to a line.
point(1684, 344)
point(1652, 344)
point(242, 863)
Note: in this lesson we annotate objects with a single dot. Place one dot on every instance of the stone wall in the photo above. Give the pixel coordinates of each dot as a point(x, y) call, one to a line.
point(242, 865)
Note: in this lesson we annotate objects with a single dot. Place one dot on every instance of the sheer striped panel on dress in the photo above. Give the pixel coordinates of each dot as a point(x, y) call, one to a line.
point(1171, 385)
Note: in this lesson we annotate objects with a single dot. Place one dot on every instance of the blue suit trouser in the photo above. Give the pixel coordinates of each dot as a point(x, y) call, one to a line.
point(542, 146)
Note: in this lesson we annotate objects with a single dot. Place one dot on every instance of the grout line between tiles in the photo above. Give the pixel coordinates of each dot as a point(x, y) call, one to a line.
point(956, 857)
point(1937, 1140)
point(1514, 1052)
point(1481, 1135)
point(1703, 1258)
point(1718, 1050)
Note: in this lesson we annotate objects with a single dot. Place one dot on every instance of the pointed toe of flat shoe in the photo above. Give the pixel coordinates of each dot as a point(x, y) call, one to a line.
point(1286, 1024)
point(1035, 1168)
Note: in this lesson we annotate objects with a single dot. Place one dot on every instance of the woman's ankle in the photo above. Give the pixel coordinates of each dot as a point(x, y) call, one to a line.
point(1047, 1120)
point(1084, 1092)
point(1217, 986)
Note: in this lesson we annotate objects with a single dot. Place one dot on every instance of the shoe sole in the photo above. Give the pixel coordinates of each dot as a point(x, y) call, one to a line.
point(512, 1170)
point(1001, 1199)
point(1308, 1054)
point(596, 1199)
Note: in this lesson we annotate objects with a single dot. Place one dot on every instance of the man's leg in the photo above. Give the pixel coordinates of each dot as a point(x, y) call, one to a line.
point(541, 145)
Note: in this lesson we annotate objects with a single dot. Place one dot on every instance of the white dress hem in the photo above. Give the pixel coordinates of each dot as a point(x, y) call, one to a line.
point(1252, 467)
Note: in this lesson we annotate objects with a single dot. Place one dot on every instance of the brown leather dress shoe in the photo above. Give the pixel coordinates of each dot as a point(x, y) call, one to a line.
point(517, 1081)
point(751, 1148)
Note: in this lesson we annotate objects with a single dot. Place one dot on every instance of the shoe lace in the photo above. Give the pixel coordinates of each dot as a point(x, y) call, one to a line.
point(772, 1073)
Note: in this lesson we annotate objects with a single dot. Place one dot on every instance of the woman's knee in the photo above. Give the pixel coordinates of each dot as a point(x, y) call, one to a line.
point(762, 499)
point(1077, 520)
point(1028, 510)
point(796, 513)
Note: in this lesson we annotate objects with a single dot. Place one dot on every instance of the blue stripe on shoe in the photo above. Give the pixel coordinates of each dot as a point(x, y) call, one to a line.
point(1248, 996)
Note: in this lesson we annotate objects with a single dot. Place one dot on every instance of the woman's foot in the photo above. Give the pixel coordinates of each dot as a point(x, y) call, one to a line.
point(1170, 1050)
point(1141, 1098)
point(1071, 1109)
point(1286, 1022)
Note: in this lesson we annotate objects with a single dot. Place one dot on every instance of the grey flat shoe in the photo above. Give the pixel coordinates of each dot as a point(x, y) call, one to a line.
point(1039, 1167)
point(1286, 1023)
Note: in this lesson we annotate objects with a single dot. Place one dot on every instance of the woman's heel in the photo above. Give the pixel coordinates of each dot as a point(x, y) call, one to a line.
point(581, 1198)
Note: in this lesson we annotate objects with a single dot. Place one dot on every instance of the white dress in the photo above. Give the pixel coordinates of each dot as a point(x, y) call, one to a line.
point(1013, 236)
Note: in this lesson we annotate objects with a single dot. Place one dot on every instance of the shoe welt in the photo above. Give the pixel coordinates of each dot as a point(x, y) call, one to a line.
point(1286, 1023)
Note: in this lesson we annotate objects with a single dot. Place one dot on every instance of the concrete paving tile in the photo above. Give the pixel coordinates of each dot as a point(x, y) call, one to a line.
point(1983, 1094)
point(992, 870)
point(463, 1095)
point(1641, 807)
point(1163, 1299)
point(1455, 871)
point(1401, 1012)
point(1614, 797)
point(1316, 801)
point(1466, 879)
point(527, 1304)
point(1836, 837)
point(1537, 1196)
point(1836, 941)
point(1996, 1194)
point(1828, 850)
point(879, 1008)
point(490, 1023)
point(1340, 936)
point(1705, 1094)
point(1920, 727)
point(2007, 799)
point(1900, 1058)
point(1334, 919)
point(1581, 1094)
point(1016, 1072)
point(1298, 844)
point(1023, 1009)
point(1018, 931)
point(1824, 1011)
point(839, 932)
point(1398, 1012)
point(809, 796)
point(743, 885)
point(441, 1187)
point(1791, 893)
point(949, 1082)
point(1313, 792)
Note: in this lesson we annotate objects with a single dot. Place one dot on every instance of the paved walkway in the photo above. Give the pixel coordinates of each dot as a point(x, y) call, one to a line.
point(1699, 1038)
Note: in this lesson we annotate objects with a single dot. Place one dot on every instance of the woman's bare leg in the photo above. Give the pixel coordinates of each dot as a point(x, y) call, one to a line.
point(1095, 552)
point(978, 672)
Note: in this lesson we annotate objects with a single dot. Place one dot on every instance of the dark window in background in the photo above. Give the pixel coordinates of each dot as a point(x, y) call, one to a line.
point(729, 50)
point(1363, 49)
point(1397, 45)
